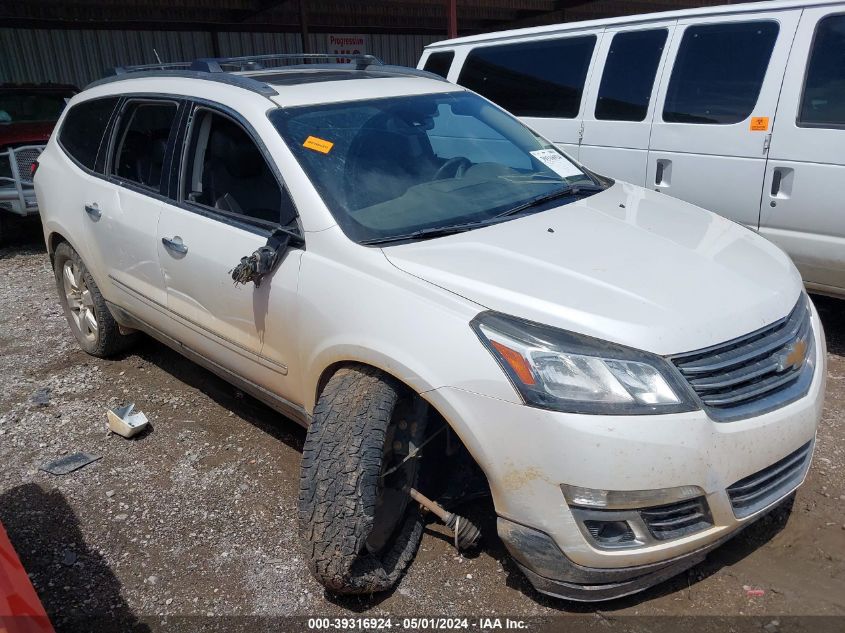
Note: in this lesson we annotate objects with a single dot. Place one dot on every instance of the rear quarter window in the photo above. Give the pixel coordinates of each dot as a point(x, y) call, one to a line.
point(540, 79)
point(439, 63)
point(83, 128)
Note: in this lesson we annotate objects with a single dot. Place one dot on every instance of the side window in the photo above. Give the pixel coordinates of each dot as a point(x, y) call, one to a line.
point(629, 74)
point(719, 72)
point(142, 142)
point(439, 63)
point(226, 171)
point(83, 128)
point(541, 79)
point(823, 101)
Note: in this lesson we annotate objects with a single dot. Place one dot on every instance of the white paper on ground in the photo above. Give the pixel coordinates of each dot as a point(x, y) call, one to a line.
point(556, 162)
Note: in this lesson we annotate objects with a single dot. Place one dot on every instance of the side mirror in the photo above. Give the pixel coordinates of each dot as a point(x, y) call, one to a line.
point(267, 258)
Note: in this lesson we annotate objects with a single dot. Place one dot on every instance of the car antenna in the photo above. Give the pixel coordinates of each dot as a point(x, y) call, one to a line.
point(155, 52)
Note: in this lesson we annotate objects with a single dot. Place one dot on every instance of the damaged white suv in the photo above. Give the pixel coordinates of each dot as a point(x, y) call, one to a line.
point(435, 291)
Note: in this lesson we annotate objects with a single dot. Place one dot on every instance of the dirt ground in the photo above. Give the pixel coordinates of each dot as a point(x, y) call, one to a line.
point(198, 517)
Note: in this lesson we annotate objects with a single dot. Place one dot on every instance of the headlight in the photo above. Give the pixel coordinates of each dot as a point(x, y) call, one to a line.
point(564, 371)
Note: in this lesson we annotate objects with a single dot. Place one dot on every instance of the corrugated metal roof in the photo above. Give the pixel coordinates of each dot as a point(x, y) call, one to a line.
point(81, 56)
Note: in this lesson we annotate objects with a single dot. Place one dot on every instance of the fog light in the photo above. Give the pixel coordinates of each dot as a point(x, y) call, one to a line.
point(610, 532)
point(622, 499)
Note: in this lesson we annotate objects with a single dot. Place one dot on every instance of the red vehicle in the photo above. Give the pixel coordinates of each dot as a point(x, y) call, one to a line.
point(20, 609)
point(28, 113)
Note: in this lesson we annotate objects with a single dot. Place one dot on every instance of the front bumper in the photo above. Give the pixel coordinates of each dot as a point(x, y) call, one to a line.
point(528, 453)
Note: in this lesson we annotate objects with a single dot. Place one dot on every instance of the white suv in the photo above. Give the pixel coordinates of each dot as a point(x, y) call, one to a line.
point(431, 287)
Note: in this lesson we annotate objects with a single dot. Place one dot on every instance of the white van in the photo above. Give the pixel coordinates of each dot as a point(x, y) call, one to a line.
point(739, 109)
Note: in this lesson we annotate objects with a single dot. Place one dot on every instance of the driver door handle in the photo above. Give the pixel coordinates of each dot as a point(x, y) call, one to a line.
point(175, 244)
point(93, 211)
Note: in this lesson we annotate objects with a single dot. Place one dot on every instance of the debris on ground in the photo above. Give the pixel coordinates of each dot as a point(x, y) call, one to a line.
point(124, 422)
point(41, 397)
point(753, 592)
point(69, 463)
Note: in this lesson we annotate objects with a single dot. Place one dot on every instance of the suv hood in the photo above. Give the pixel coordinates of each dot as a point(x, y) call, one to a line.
point(625, 265)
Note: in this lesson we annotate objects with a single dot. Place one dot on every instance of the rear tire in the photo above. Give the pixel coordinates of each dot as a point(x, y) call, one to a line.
point(89, 318)
point(364, 424)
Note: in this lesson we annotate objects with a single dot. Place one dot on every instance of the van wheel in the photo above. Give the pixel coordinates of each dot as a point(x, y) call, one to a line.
point(357, 524)
point(90, 320)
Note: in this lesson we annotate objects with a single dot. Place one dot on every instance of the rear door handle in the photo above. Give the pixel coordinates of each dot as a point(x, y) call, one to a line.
point(93, 211)
point(663, 172)
point(777, 176)
point(175, 244)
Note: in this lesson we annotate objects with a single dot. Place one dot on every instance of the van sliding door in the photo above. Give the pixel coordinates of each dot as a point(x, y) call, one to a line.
point(716, 108)
point(542, 81)
point(620, 101)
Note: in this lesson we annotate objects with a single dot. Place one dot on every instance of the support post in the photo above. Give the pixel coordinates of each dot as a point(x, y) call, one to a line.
point(303, 27)
point(452, 18)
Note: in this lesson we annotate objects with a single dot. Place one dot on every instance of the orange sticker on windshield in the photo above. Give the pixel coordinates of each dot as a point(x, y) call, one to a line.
point(759, 124)
point(318, 144)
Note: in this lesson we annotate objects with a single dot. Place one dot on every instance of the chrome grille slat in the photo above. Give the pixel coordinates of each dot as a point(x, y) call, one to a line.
point(752, 391)
point(743, 352)
point(678, 519)
point(751, 497)
point(771, 473)
point(767, 486)
point(677, 522)
point(735, 377)
point(748, 376)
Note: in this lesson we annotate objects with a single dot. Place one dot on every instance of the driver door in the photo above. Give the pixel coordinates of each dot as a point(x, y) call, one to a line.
point(228, 202)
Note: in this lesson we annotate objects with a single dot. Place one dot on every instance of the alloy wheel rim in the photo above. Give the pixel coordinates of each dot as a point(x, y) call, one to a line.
point(79, 301)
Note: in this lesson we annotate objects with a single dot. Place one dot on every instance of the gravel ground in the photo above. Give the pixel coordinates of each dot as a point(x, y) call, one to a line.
point(198, 516)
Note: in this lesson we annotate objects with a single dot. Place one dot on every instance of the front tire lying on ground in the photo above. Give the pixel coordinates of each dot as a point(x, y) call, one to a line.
point(92, 324)
point(357, 524)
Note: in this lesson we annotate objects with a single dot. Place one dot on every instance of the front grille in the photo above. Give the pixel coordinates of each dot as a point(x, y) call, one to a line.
point(25, 157)
point(754, 373)
point(677, 519)
point(770, 484)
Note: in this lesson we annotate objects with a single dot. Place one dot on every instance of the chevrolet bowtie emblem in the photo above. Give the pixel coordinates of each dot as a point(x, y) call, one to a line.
point(792, 357)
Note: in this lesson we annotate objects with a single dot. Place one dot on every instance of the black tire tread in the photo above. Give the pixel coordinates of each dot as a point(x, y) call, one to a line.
point(109, 340)
point(341, 464)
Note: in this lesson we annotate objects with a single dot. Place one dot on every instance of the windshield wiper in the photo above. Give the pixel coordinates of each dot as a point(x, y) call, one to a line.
point(439, 231)
point(570, 190)
point(436, 231)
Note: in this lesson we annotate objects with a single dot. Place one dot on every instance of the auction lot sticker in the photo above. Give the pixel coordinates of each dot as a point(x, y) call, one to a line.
point(557, 162)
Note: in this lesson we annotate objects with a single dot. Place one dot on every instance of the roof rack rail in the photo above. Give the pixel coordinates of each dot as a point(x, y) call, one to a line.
point(122, 70)
point(231, 79)
point(255, 62)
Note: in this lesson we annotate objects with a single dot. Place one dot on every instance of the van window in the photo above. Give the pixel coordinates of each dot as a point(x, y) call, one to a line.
point(142, 142)
point(83, 128)
point(439, 63)
point(823, 102)
point(719, 72)
point(541, 79)
point(629, 74)
point(226, 171)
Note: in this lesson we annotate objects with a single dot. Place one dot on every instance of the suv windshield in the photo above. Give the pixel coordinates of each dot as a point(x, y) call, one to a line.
point(394, 167)
point(20, 106)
